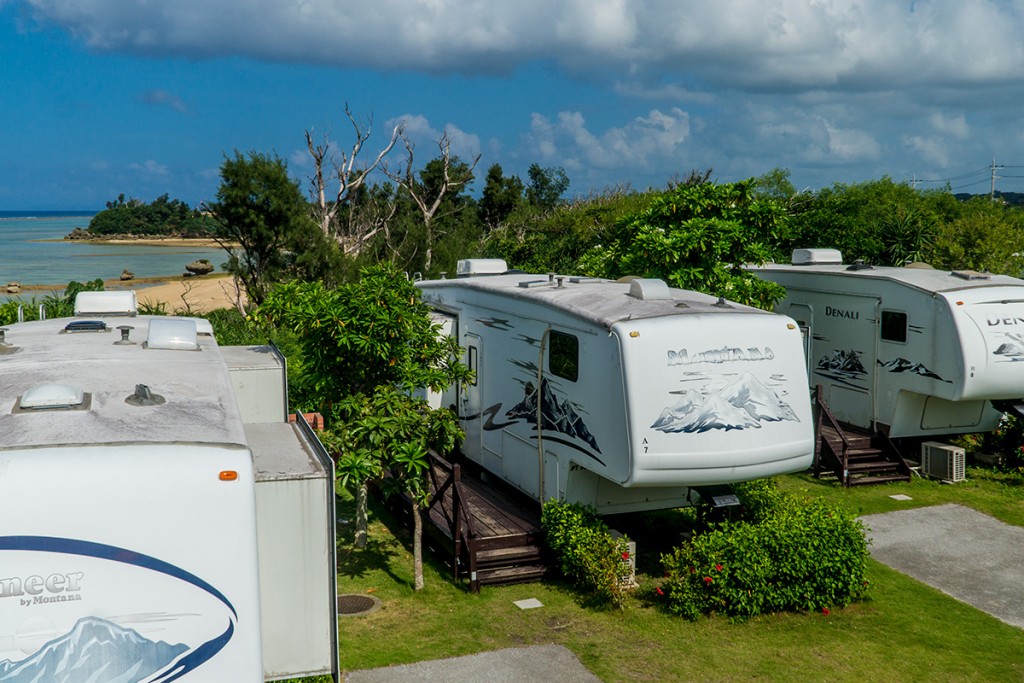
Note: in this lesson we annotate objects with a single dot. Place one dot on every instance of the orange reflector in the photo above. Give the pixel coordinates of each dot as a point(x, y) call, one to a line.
point(228, 475)
point(790, 326)
point(959, 303)
point(634, 334)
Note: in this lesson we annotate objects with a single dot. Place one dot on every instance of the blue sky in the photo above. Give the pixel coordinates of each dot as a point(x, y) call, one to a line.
point(102, 97)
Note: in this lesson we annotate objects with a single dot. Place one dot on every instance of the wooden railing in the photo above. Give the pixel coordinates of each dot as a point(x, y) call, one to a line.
point(840, 461)
point(447, 477)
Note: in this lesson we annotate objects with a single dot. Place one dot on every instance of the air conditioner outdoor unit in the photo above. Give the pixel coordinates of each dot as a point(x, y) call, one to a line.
point(942, 461)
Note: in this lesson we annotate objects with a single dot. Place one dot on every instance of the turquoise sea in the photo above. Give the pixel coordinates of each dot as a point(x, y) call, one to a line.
point(27, 256)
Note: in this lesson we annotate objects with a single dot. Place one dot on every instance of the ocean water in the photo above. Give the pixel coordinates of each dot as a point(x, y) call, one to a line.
point(26, 255)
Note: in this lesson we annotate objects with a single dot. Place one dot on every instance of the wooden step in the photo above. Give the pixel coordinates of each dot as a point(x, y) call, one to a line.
point(527, 554)
point(507, 575)
point(872, 466)
point(881, 479)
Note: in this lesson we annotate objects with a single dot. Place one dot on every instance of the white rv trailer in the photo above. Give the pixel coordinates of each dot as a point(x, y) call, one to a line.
point(624, 396)
point(910, 352)
point(159, 518)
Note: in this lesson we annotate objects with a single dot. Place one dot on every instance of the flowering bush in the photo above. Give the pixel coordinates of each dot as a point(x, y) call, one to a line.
point(792, 555)
point(585, 550)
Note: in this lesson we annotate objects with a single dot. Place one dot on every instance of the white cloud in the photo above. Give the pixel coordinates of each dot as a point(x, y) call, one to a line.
point(162, 98)
point(419, 131)
point(642, 143)
point(149, 168)
point(930, 150)
point(748, 44)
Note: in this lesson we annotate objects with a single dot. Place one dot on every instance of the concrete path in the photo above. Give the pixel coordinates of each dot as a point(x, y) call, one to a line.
point(966, 554)
point(513, 665)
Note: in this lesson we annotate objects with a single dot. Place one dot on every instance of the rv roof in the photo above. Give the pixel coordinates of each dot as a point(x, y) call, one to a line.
point(198, 407)
point(604, 302)
point(925, 279)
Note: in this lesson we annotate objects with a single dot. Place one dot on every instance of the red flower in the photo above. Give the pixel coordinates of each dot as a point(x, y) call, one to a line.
point(718, 567)
point(625, 555)
point(692, 570)
point(825, 611)
point(708, 580)
point(659, 591)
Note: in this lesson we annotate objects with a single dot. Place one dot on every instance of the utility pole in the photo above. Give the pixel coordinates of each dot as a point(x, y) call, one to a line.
point(992, 192)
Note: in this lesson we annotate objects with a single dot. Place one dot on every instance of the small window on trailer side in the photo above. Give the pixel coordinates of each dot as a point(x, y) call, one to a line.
point(472, 363)
point(564, 355)
point(894, 326)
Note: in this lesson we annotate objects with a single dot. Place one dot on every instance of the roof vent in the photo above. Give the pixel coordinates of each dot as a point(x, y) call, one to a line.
point(817, 257)
point(970, 275)
point(85, 326)
point(52, 397)
point(144, 397)
point(860, 265)
point(480, 266)
point(175, 334)
point(106, 303)
point(649, 289)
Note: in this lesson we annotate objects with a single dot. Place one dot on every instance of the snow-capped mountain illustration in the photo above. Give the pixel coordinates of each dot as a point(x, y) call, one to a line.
point(94, 650)
point(904, 365)
point(1012, 350)
point(741, 404)
point(843, 361)
point(556, 415)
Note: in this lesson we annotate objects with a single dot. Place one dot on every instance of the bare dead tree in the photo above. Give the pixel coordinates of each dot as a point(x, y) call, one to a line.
point(427, 204)
point(345, 179)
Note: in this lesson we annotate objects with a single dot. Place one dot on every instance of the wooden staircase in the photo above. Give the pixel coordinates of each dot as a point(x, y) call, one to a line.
point(856, 457)
point(493, 537)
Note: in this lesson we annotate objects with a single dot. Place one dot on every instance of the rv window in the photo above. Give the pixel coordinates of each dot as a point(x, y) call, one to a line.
point(894, 326)
point(564, 356)
point(472, 363)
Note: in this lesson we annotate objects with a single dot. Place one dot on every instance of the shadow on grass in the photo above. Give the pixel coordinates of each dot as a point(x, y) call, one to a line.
point(389, 539)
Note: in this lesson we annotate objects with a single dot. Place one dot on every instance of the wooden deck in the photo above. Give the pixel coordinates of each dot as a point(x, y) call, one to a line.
point(493, 537)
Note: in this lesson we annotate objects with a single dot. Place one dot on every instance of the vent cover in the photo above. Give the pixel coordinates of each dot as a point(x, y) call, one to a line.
point(480, 266)
point(175, 334)
point(649, 289)
point(106, 303)
point(51, 396)
point(817, 257)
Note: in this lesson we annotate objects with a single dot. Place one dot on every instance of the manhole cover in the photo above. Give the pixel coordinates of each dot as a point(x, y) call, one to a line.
point(354, 605)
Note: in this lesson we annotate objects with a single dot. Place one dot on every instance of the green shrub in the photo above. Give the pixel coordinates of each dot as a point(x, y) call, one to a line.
point(792, 555)
point(585, 550)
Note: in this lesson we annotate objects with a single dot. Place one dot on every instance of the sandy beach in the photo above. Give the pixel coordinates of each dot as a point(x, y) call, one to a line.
point(196, 294)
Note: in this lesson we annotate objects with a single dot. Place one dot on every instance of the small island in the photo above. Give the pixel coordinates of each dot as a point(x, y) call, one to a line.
point(162, 220)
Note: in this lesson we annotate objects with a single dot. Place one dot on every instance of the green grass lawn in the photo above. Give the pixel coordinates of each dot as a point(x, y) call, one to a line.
point(905, 631)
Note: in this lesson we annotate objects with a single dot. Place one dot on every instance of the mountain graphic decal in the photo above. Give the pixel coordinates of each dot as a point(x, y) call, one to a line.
point(94, 650)
point(904, 365)
point(743, 404)
point(559, 416)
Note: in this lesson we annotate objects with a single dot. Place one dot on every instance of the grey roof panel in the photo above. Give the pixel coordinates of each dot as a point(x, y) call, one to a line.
point(195, 385)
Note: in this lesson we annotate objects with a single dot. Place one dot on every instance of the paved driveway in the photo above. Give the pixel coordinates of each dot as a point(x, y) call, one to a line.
point(966, 554)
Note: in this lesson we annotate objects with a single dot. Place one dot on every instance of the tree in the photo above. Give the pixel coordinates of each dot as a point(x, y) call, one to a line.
point(547, 185)
point(347, 179)
point(439, 179)
point(699, 237)
point(367, 347)
point(260, 209)
point(500, 197)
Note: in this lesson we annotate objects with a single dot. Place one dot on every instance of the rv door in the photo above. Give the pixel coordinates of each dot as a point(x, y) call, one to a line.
point(469, 409)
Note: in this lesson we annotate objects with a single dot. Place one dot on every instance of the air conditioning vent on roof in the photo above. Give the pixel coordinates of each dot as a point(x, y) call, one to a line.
point(480, 266)
point(649, 289)
point(106, 303)
point(817, 257)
